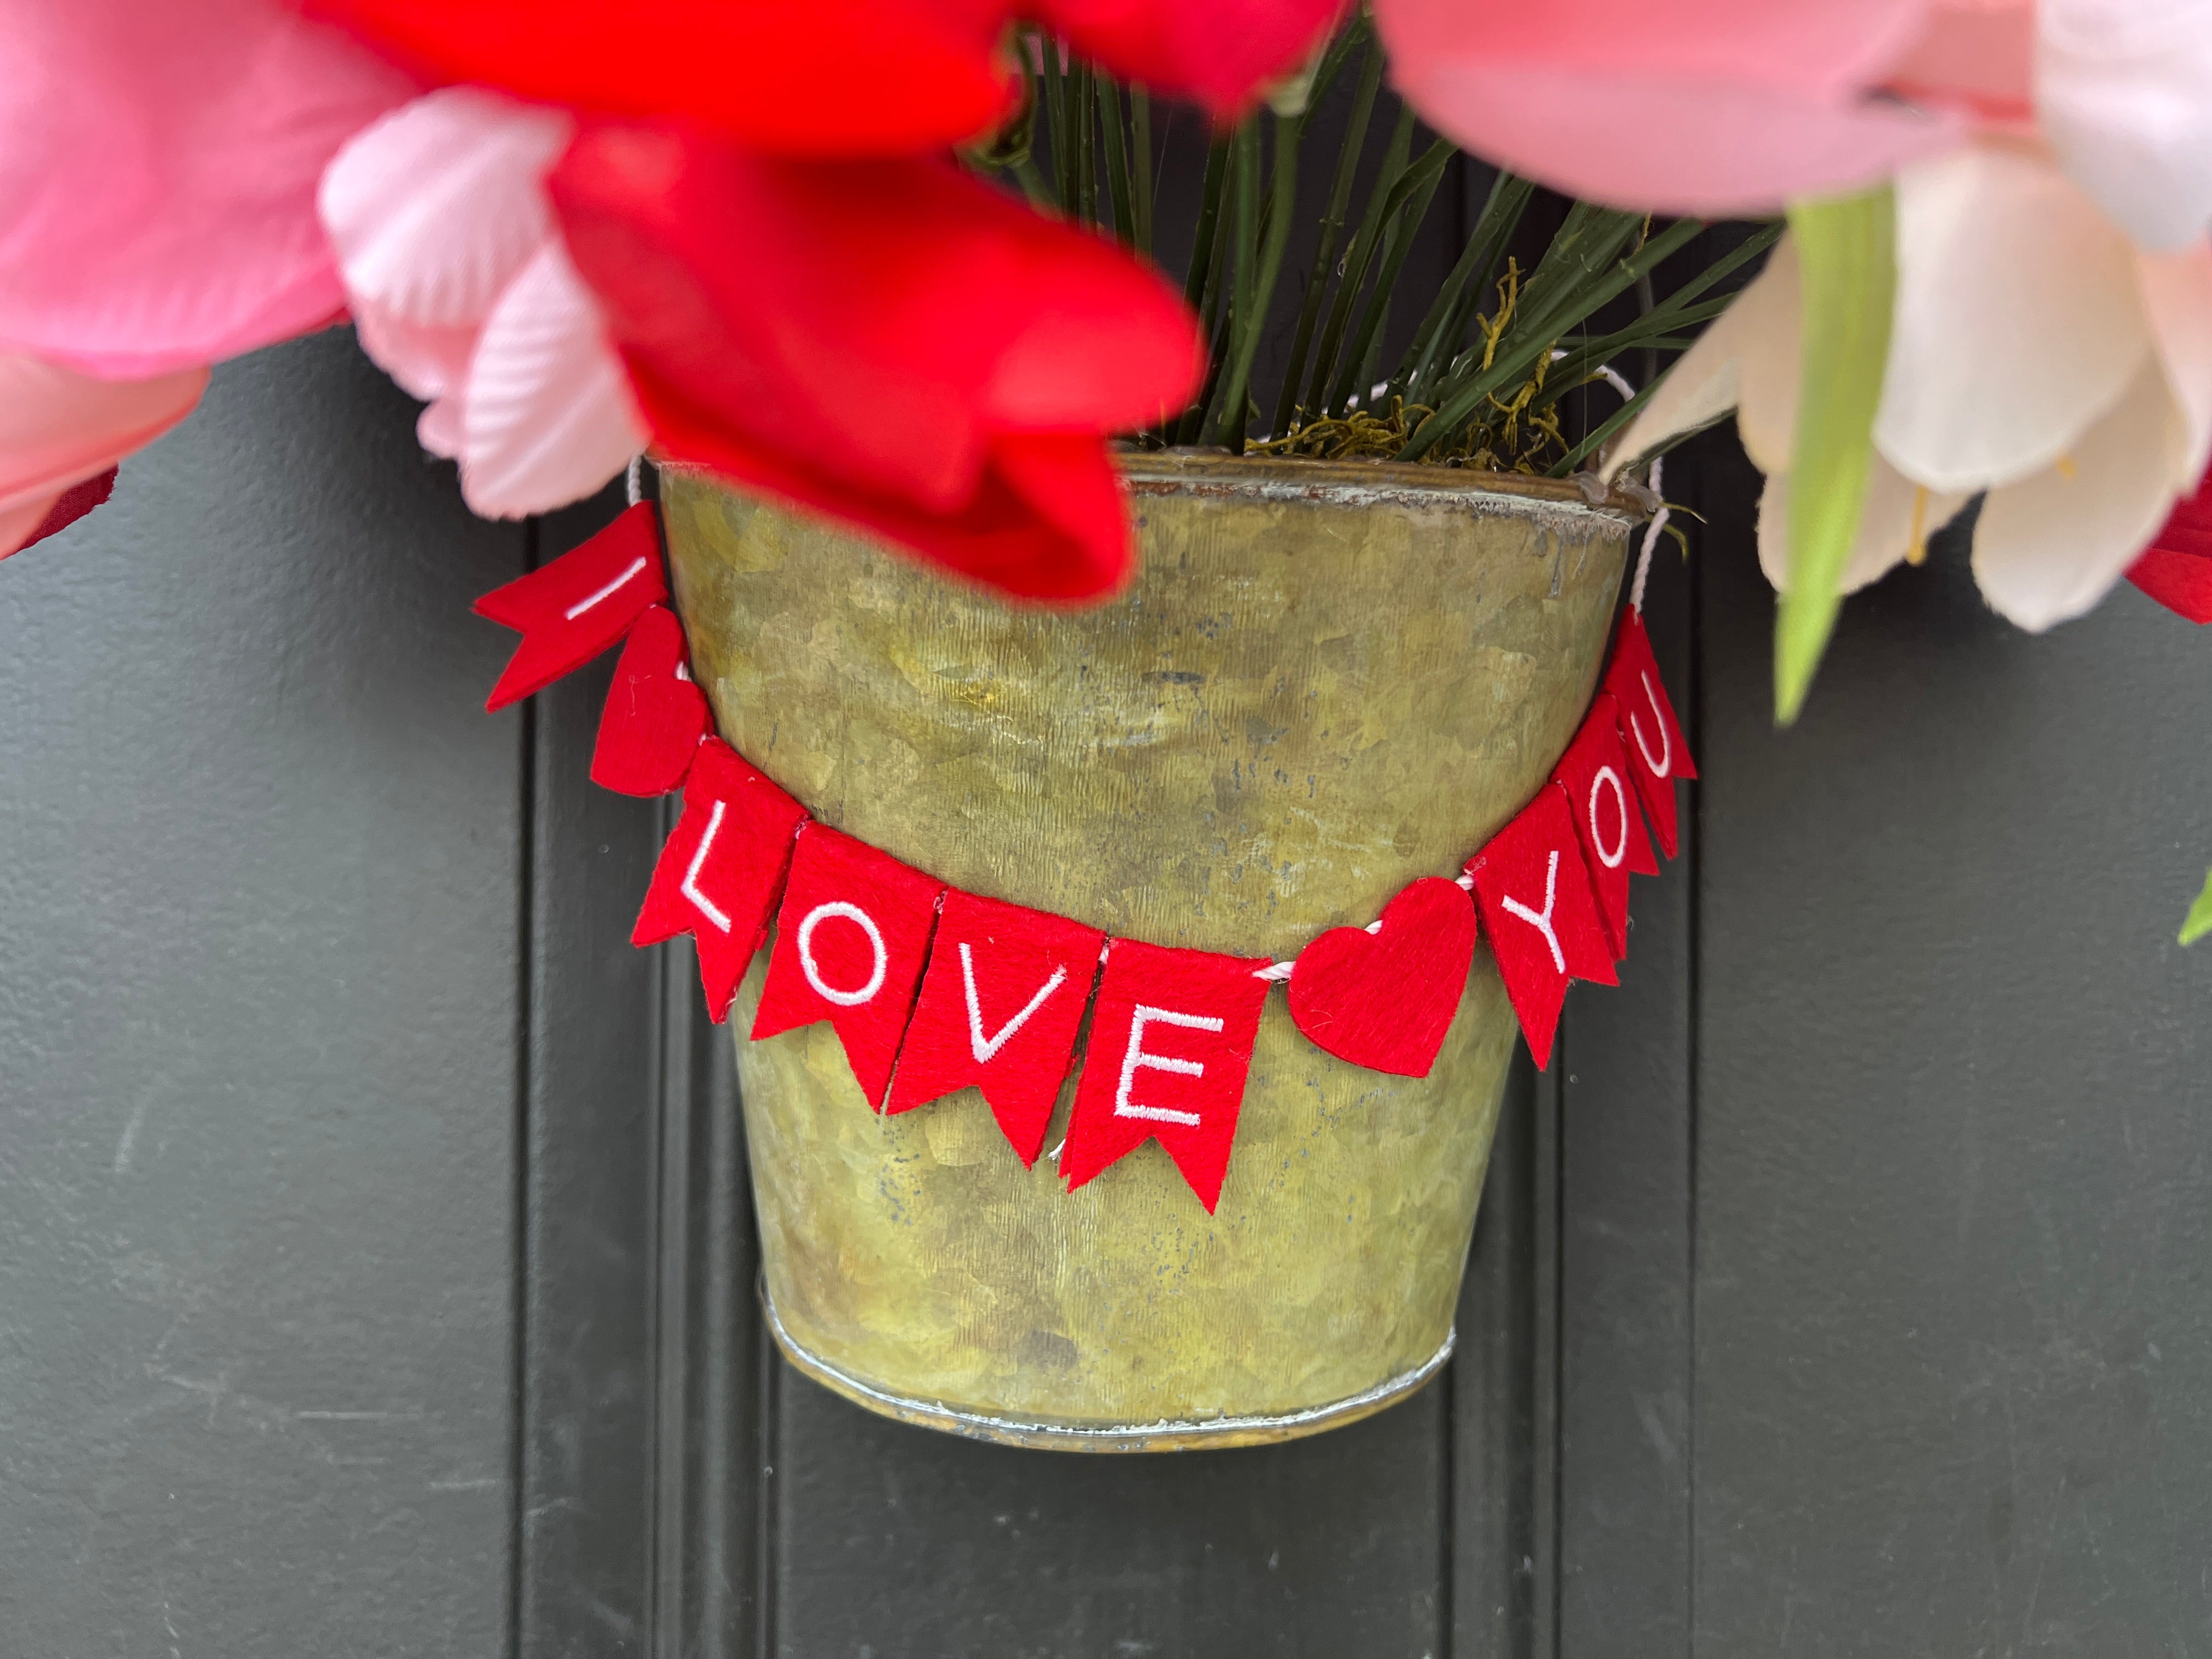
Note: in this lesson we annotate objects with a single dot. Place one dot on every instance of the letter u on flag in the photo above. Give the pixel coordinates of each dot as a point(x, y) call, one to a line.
point(1658, 752)
point(1170, 1046)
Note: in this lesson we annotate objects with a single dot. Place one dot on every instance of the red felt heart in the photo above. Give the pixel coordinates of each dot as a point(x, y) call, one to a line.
point(1385, 1000)
point(654, 716)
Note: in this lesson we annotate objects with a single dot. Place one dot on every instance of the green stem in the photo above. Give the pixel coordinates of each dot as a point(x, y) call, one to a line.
point(1332, 227)
point(1258, 296)
point(1118, 186)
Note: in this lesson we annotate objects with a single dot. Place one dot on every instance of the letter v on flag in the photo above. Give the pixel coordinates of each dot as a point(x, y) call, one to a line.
point(1170, 1046)
point(999, 1009)
point(720, 871)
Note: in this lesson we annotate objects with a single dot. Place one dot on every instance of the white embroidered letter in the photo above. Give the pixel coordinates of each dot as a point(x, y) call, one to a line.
point(1542, 921)
point(815, 918)
point(606, 592)
point(1666, 743)
point(707, 908)
point(1134, 1055)
point(985, 1048)
point(1606, 775)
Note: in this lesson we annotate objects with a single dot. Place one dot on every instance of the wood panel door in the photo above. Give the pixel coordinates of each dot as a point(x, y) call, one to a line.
point(376, 1270)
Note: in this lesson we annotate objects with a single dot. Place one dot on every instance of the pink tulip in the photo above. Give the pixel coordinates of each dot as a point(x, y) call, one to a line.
point(58, 428)
point(158, 165)
point(1703, 106)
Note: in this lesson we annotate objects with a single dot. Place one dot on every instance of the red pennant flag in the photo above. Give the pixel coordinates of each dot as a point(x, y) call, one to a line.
point(850, 942)
point(1607, 821)
point(1383, 997)
point(1000, 1008)
point(1656, 751)
point(654, 716)
point(578, 605)
point(721, 872)
point(1542, 921)
point(1171, 1044)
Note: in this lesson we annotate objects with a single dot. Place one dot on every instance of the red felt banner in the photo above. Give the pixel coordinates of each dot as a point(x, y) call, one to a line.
point(850, 943)
point(1595, 774)
point(1384, 998)
point(1657, 753)
point(721, 872)
point(999, 1009)
point(1542, 920)
point(1170, 1043)
point(655, 716)
point(578, 605)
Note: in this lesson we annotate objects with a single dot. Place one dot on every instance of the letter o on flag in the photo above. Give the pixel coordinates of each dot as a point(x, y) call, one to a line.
point(1611, 859)
point(853, 913)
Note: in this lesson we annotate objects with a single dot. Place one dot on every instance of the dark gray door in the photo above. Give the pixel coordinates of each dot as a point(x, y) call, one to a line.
point(375, 1272)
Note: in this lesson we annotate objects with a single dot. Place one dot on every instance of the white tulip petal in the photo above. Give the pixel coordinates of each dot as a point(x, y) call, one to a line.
point(2019, 319)
point(434, 209)
point(1898, 511)
point(2123, 89)
point(1773, 351)
point(2047, 548)
point(548, 417)
point(1741, 360)
point(2176, 291)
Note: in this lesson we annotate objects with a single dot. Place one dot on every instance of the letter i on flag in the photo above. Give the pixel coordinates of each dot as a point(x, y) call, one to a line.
point(578, 605)
point(999, 1009)
point(1607, 821)
point(1649, 731)
point(720, 871)
point(850, 942)
point(1170, 1046)
point(1537, 909)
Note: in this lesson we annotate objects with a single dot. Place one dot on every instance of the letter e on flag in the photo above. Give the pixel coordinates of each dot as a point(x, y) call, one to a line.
point(1170, 1045)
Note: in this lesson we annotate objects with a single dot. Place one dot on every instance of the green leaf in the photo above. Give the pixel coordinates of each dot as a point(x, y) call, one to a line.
point(2198, 921)
point(1846, 248)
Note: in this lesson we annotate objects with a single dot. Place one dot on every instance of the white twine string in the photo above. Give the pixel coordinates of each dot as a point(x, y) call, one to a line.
point(1650, 540)
point(1277, 972)
point(636, 479)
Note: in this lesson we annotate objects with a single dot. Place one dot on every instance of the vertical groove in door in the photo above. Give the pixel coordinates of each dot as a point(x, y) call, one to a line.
point(525, 1012)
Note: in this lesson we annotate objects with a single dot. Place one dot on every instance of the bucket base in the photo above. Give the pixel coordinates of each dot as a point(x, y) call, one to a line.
point(1197, 1435)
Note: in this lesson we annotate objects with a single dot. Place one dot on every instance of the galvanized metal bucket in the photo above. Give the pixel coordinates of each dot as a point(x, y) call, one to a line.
point(1330, 679)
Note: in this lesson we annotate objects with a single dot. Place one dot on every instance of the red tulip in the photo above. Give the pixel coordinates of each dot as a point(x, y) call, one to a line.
point(892, 342)
point(790, 75)
point(1220, 53)
point(2176, 569)
point(796, 78)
